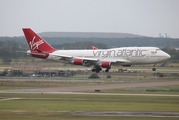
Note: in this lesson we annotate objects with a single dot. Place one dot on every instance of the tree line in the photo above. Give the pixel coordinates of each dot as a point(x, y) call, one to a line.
point(111, 42)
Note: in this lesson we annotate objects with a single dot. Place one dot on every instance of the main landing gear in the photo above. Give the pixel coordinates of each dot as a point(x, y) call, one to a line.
point(97, 69)
point(107, 70)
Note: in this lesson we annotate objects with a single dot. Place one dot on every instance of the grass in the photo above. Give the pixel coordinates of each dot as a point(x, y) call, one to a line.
point(61, 106)
point(59, 116)
point(37, 106)
point(141, 90)
point(23, 84)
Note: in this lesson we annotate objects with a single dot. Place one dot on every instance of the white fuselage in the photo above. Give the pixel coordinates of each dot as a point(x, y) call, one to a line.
point(131, 55)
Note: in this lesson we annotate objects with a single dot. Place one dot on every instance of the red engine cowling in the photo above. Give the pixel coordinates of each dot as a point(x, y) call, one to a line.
point(106, 64)
point(78, 61)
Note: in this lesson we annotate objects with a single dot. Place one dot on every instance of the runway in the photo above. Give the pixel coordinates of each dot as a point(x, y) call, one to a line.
point(134, 114)
point(80, 89)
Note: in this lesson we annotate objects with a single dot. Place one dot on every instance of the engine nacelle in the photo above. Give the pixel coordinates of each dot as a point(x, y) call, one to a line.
point(78, 61)
point(106, 64)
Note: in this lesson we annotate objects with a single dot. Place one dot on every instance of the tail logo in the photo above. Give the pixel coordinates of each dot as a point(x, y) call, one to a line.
point(34, 45)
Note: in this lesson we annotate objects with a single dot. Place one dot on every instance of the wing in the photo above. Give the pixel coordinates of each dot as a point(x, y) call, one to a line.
point(66, 57)
point(76, 60)
point(87, 61)
point(42, 54)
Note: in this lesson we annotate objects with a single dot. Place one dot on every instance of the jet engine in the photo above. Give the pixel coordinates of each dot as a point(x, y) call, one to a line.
point(78, 62)
point(106, 65)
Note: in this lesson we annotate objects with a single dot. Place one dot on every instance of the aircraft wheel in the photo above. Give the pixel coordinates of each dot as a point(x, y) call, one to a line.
point(107, 70)
point(93, 70)
point(153, 69)
point(96, 69)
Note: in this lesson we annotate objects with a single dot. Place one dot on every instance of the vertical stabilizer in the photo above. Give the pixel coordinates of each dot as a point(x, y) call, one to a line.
point(36, 43)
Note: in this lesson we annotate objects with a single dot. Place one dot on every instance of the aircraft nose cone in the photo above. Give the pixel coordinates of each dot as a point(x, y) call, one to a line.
point(168, 56)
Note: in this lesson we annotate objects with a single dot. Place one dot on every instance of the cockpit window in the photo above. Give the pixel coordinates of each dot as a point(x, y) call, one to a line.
point(158, 49)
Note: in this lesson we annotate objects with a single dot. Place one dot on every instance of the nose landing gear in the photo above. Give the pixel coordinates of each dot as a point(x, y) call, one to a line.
point(154, 69)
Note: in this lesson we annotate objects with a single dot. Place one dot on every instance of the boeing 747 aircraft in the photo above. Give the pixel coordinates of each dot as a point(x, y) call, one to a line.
point(99, 58)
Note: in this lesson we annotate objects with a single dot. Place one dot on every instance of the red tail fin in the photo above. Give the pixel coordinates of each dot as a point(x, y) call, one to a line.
point(35, 42)
point(94, 48)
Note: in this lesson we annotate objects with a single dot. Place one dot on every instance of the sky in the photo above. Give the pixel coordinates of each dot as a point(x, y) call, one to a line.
point(142, 17)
